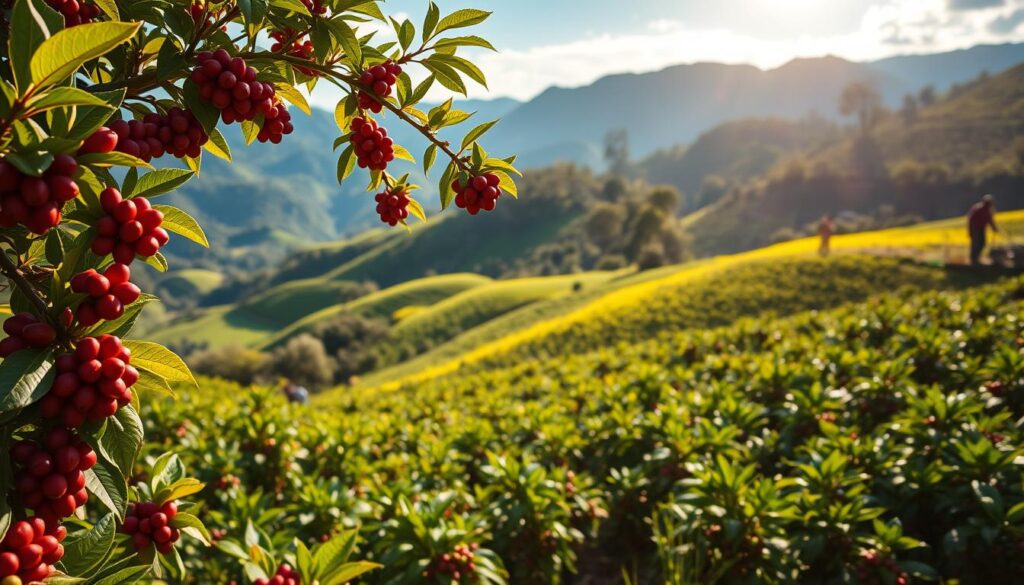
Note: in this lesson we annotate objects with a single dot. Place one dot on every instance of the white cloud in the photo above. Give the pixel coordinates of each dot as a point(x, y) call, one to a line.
point(887, 27)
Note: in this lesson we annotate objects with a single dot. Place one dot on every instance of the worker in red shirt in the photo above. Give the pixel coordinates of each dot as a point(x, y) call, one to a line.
point(979, 218)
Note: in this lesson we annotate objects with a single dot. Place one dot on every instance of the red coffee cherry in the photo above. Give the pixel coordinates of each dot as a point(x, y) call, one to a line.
point(392, 206)
point(379, 81)
point(103, 140)
point(75, 12)
point(36, 202)
point(92, 383)
point(30, 549)
point(131, 227)
point(479, 192)
point(151, 525)
point(49, 476)
point(371, 143)
point(298, 46)
point(109, 294)
point(276, 124)
point(454, 565)
point(25, 330)
point(285, 575)
point(231, 86)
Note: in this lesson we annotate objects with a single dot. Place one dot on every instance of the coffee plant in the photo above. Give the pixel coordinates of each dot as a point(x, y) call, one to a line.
point(93, 95)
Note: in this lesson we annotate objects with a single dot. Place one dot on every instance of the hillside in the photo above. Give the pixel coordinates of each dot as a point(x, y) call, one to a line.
point(746, 435)
point(934, 165)
point(696, 294)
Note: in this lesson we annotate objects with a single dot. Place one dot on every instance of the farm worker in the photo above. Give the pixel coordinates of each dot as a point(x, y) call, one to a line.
point(826, 227)
point(296, 393)
point(979, 218)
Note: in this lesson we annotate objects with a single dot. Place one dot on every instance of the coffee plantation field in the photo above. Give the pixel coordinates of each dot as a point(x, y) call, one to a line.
point(876, 442)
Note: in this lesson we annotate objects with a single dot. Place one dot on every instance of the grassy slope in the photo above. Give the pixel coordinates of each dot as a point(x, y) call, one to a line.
point(191, 281)
point(382, 304)
point(623, 304)
point(444, 320)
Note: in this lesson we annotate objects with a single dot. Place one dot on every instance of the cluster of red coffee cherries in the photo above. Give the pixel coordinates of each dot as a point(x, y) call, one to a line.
point(297, 47)
point(274, 128)
point(231, 86)
point(872, 565)
point(373, 149)
point(457, 565)
point(50, 477)
point(35, 202)
point(92, 382)
point(75, 11)
point(131, 227)
point(378, 80)
point(148, 524)
point(109, 293)
point(392, 206)
point(25, 330)
point(29, 551)
point(479, 192)
point(177, 132)
point(285, 575)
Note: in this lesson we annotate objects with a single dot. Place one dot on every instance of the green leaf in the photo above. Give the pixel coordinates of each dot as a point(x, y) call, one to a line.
point(25, 377)
point(123, 325)
point(105, 482)
point(157, 261)
point(348, 571)
point(416, 209)
point(446, 76)
point(250, 131)
point(191, 525)
point(348, 40)
point(182, 488)
point(500, 165)
point(406, 34)
point(292, 5)
point(90, 118)
point(85, 550)
point(181, 223)
point(462, 19)
point(60, 97)
point(60, 55)
point(463, 65)
point(121, 442)
point(507, 184)
point(253, 10)
point(430, 22)
point(35, 22)
point(218, 145)
point(159, 360)
point(169, 59)
point(475, 134)
point(466, 41)
point(428, 158)
point(122, 576)
point(402, 154)
point(331, 555)
point(447, 194)
point(160, 182)
point(110, 159)
point(32, 163)
point(166, 470)
point(288, 92)
point(110, 7)
point(346, 163)
point(150, 382)
point(303, 558)
point(203, 110)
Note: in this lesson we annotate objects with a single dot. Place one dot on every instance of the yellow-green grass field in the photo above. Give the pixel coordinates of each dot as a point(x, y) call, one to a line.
point(943, 239)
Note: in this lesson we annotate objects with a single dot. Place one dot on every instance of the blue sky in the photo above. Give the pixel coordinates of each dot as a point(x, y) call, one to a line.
point(574, 42)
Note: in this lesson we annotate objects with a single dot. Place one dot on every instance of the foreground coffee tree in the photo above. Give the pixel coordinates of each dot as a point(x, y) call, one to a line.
point(94, 94)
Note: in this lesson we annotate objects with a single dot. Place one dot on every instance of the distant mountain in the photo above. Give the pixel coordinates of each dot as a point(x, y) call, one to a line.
point(674, 105)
